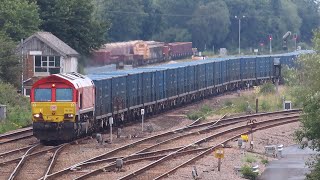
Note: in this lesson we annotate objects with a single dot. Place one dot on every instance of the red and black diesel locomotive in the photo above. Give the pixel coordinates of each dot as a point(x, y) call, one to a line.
point(62, 106)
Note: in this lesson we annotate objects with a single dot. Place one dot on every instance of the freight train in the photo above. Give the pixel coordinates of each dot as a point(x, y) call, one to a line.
point(69, 105)
point(138, 53)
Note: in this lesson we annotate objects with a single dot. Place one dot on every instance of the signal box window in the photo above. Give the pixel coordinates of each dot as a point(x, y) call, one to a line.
point(27, 92)
point(64, 94)
point(49, 64)
point(42, 95)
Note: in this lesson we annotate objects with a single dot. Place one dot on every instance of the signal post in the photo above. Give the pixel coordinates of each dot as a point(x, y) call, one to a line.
point(219, 153)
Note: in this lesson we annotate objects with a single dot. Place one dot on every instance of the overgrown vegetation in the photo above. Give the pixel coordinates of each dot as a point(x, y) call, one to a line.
point(247, 103)
point(249, 158)
point(268, 100)
point(264, 161)
point(248, 173)
point(267, 88)
point(204, 111)
point(304, 83)
point(18, 108)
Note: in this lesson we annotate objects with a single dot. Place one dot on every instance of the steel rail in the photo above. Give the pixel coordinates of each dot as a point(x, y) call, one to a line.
point(149, 166)
point(112, 165)
point(4, 141)
point(189, 134)
point(132, 156)
point(54, 159)
point(171, 139)
point(55, 174)
point(14, 151)
point(29, 155)
point(13, 133)
point(166, 174)
point(134, 160)
point(22, 161)
point(36, 153)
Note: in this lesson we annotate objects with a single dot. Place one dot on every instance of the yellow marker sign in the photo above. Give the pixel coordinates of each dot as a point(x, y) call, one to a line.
point(219, 153)
point(245, 137)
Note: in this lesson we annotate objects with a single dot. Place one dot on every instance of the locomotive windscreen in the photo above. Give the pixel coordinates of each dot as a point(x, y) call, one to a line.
point(64, 94)
point(42, 95)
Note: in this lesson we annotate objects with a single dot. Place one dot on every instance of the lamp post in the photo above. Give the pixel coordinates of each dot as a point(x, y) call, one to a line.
point(270, 43)
point(239, 18)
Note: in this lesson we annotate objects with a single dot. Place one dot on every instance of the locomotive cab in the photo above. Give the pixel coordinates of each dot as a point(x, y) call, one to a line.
point(57, 106)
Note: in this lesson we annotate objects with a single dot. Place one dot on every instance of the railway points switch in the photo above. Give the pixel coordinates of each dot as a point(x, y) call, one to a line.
point(119, 164)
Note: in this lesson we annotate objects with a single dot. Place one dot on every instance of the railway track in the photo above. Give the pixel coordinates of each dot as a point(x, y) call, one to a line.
point(34, 151)
point(158, 170)
point(144, 145)
point(209, 150)
point(16, 135)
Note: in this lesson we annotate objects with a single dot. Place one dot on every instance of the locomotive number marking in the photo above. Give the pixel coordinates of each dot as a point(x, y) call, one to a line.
point(53, 107)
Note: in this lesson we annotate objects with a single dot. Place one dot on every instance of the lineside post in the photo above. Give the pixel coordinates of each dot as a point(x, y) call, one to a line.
point(110, 123)
point(142, 114)
point(219, 153)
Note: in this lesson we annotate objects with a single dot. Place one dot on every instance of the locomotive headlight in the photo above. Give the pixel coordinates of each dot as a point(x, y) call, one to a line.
point(36, 115)
point(68, 115)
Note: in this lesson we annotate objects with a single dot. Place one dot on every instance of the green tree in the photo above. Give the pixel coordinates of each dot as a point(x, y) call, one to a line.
point(153, 22)
point(177, 13)
point(210, 24)
point(173, 35)
point(309, 13)
point(73, 22)
point(184, 20)
point(9, 62)
point(126, 17)
point(306, 88)
point(19, 18)
point(175, 18)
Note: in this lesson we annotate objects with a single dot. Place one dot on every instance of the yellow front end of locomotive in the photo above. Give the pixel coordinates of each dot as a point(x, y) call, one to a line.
point(53, 112)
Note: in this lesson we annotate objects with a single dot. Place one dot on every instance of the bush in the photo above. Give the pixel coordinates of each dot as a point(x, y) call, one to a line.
point(243, 106)
point(18, 108)
point(248, 173)
point(264, 161)
point(265, 105)
point(267, 88)
point(195, 115)
point(228, 103)
point(249, 158)
point(206, 109)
